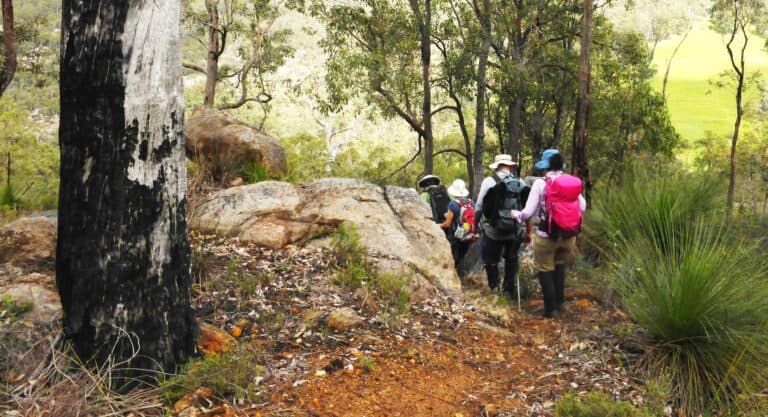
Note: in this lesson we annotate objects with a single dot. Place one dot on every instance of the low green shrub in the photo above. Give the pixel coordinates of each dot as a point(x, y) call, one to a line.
point(367, 364)
point(11, 309)
point(352, 275)
point(394, 290)
point(597, 404)
point(346, 248)
point(354, 271)
point(253, 172)
point(227, 374)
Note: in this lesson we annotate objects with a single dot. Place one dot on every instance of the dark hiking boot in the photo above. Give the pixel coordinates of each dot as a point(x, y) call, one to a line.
point(559, 282)
point(492, 271)
point(546, 279)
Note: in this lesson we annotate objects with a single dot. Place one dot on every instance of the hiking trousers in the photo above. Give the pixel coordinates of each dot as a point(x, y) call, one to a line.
point(547, 253)
point(459, 250)
point(491, 251)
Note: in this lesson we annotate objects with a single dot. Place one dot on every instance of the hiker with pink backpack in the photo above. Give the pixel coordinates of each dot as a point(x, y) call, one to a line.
point(558, 201)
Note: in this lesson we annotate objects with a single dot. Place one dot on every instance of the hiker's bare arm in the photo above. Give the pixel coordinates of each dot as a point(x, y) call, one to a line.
point(532, 206)
point(582, 203)
point(448, 220)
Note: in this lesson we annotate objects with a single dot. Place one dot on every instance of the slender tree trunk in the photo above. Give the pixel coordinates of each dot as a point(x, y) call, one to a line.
point(212, 60)
point(484, 16)
point(515, 123)
point(580, 134)
point(425, 23)
point(9, 36)
point(557, 126)
point(734, 141)
point(740, 70)
point(537, 129)
point(122, 256)
point(465, 136)
point(560, 101)
point(669, 66)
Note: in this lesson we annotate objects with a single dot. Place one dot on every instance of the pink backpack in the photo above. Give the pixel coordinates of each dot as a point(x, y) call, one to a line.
point(561, 202)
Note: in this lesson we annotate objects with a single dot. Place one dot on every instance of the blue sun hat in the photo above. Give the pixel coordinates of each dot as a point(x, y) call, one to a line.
point(544, 163)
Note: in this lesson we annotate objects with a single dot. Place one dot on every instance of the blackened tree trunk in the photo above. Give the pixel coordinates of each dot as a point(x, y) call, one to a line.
point(9, 37)
point(580, 135)
point(122, 256)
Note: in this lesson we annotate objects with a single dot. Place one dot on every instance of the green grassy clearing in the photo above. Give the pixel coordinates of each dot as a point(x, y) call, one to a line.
point(695, 105)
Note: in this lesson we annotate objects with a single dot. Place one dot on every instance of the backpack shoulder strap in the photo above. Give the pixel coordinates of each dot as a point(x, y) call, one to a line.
point(496, 178)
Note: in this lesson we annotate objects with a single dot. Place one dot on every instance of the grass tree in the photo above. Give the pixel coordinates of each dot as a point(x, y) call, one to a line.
point(697, 288)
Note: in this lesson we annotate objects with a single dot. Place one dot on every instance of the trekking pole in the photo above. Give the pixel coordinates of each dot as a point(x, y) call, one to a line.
point(517, 283)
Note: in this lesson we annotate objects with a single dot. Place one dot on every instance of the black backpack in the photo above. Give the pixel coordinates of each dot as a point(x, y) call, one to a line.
point(438, 201)
point(508, 194)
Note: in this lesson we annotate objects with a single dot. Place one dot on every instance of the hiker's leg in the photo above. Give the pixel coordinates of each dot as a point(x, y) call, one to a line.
point(455, 252)
point(511, 266)
point(462, 249)
point(546, 280)
point(543, 258)
point(559, 280)
point(564, 256)
point(490, 252)
point(492, 272)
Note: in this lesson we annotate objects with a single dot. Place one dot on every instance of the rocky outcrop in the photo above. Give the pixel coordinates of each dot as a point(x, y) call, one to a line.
point(393, 222)
point(37, 291)
point(226, 145)
point(29, 241)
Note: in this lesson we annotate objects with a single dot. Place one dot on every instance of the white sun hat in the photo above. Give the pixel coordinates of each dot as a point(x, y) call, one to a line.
point(502, 159)
point(458, 189)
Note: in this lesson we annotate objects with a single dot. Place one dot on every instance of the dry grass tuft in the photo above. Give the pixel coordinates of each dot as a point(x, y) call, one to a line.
point(50, 380)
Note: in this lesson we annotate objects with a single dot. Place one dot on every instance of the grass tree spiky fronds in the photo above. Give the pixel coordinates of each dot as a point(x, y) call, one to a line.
point(650, 205)
point(700, 293)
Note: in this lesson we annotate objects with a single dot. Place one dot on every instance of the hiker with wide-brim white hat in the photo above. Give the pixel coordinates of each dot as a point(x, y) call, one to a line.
point(459, 221)
point(502, 236)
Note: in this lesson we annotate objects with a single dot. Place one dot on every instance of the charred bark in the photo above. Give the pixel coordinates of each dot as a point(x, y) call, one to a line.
point(122, 256)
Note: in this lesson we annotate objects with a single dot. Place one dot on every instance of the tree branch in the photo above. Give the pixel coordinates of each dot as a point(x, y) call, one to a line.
point(446, 107)
point(733, 37)
point(193, 67)
point(410, 120)
point(451, 150)
point(410, 161)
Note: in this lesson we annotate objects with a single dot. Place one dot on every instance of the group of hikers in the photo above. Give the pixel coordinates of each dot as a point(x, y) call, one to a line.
point(504, 217)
